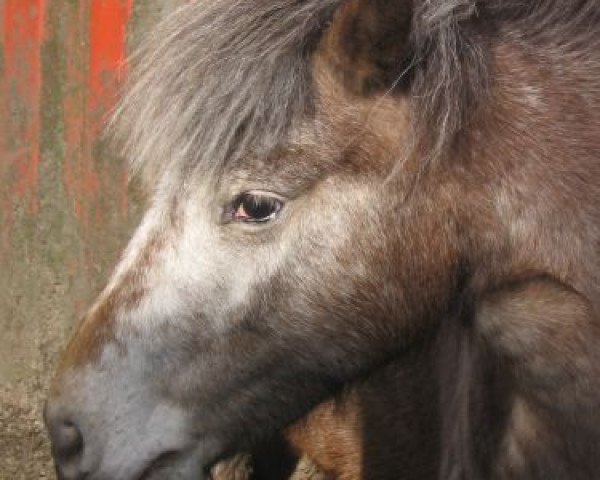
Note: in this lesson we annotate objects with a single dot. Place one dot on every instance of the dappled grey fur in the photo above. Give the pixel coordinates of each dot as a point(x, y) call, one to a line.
point(223, 78)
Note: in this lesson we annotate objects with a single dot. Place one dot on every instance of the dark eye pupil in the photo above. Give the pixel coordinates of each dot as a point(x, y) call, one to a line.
point(259, 207)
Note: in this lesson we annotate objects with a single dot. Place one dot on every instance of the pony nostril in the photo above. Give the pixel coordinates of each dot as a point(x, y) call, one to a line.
point(70, 440)
point(67, 441)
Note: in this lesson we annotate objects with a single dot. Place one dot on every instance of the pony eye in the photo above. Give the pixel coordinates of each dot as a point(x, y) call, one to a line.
point(256, 208)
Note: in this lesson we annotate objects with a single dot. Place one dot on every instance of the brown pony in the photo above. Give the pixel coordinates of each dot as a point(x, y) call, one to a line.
point(400, 199)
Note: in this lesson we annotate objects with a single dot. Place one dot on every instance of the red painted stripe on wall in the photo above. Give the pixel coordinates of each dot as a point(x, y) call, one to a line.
point(23, 36)
point(108, 50)
point(3, 99)
point(109, 20)
point(6, 217)
point(94, 76)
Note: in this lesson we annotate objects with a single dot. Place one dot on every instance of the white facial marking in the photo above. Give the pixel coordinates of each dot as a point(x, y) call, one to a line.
point(195, 270)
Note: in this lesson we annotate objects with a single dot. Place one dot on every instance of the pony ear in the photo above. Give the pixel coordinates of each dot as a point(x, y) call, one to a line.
point(368, 44)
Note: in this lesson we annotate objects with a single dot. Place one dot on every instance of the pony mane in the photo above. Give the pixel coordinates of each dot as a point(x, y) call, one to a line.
point(221, 78)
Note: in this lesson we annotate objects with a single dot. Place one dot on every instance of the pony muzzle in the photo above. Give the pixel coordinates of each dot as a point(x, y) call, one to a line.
point(105, 424)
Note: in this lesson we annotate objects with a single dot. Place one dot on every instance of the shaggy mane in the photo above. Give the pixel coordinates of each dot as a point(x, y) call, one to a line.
point(224, 77)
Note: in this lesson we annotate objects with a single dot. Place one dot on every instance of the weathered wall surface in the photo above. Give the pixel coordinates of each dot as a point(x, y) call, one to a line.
point(65, 206)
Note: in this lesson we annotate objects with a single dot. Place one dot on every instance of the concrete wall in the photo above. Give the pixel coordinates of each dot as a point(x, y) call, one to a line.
point(65, 206)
